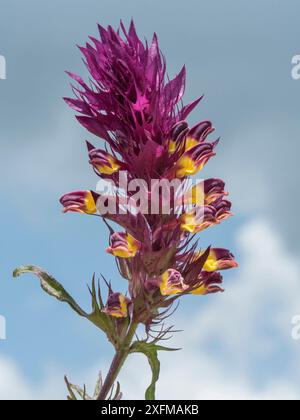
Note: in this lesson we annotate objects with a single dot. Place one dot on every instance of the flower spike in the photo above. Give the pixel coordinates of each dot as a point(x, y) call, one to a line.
point(132, 104)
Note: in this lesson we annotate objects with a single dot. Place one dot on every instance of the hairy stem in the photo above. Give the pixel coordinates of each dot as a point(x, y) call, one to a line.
point(117, 362)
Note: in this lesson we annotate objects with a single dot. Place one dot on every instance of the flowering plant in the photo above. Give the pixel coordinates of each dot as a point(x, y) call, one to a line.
point(132, 105)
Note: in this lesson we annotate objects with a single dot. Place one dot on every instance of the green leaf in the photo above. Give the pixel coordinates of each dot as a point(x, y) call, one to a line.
point(150, 350)
point(97, 317)
point(50, 286)
point(154, 363)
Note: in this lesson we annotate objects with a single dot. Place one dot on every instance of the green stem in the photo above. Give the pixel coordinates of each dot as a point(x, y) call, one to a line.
point(117, 362)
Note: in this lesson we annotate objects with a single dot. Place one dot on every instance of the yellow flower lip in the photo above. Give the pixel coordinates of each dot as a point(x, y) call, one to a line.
point(208, 283)
point(108, 168)
point(123, 245)
point(193, 223)
point(193, 161)
point(172, 283)
point(117, 305)
point(218, 259)
point(80, 202)
point(102, 161)
point(189, 143)
point(90, 204)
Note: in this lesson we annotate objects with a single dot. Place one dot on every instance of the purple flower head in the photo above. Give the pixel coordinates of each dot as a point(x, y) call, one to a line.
point(131, 103)
point(137, 110)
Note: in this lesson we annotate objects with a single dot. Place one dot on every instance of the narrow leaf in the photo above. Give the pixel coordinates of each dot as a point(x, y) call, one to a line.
point(150, 351)
point(51, 286)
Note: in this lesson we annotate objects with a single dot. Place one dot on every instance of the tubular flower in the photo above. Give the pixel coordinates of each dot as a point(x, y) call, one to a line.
point(188, 138)
point(172, 283)
point(189, 143)
point(123, 245)
point(198, 219)
point(103, 162)
point(80, 202)
point(208, 283)
point(194, 159)
point(117, 305)
point(219, 259)
point(223, 208)
point(205, 192)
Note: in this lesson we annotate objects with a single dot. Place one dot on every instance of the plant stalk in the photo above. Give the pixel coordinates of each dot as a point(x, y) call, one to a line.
point(117, 362)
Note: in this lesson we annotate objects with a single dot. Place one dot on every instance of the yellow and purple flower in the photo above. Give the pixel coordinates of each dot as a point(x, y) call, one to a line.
point(104, 162)
point(80, 202)
point(219, 259)
point(223, 209)
point(117, 305)
point(198, 219)
point(206, 192)
point(189, 143)
point(208, 283)
point(184, 139)
point(194, 159)
point(123, 245)
point(172, 283)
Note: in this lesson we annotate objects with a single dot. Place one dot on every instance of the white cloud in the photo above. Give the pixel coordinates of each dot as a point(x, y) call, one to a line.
point(194, 375)
point(13, 384)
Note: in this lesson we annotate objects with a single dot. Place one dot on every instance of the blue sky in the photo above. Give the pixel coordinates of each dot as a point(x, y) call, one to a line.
point(239, 55)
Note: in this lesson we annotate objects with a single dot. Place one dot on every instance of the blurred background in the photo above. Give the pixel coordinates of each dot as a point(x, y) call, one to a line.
point(238, 54)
